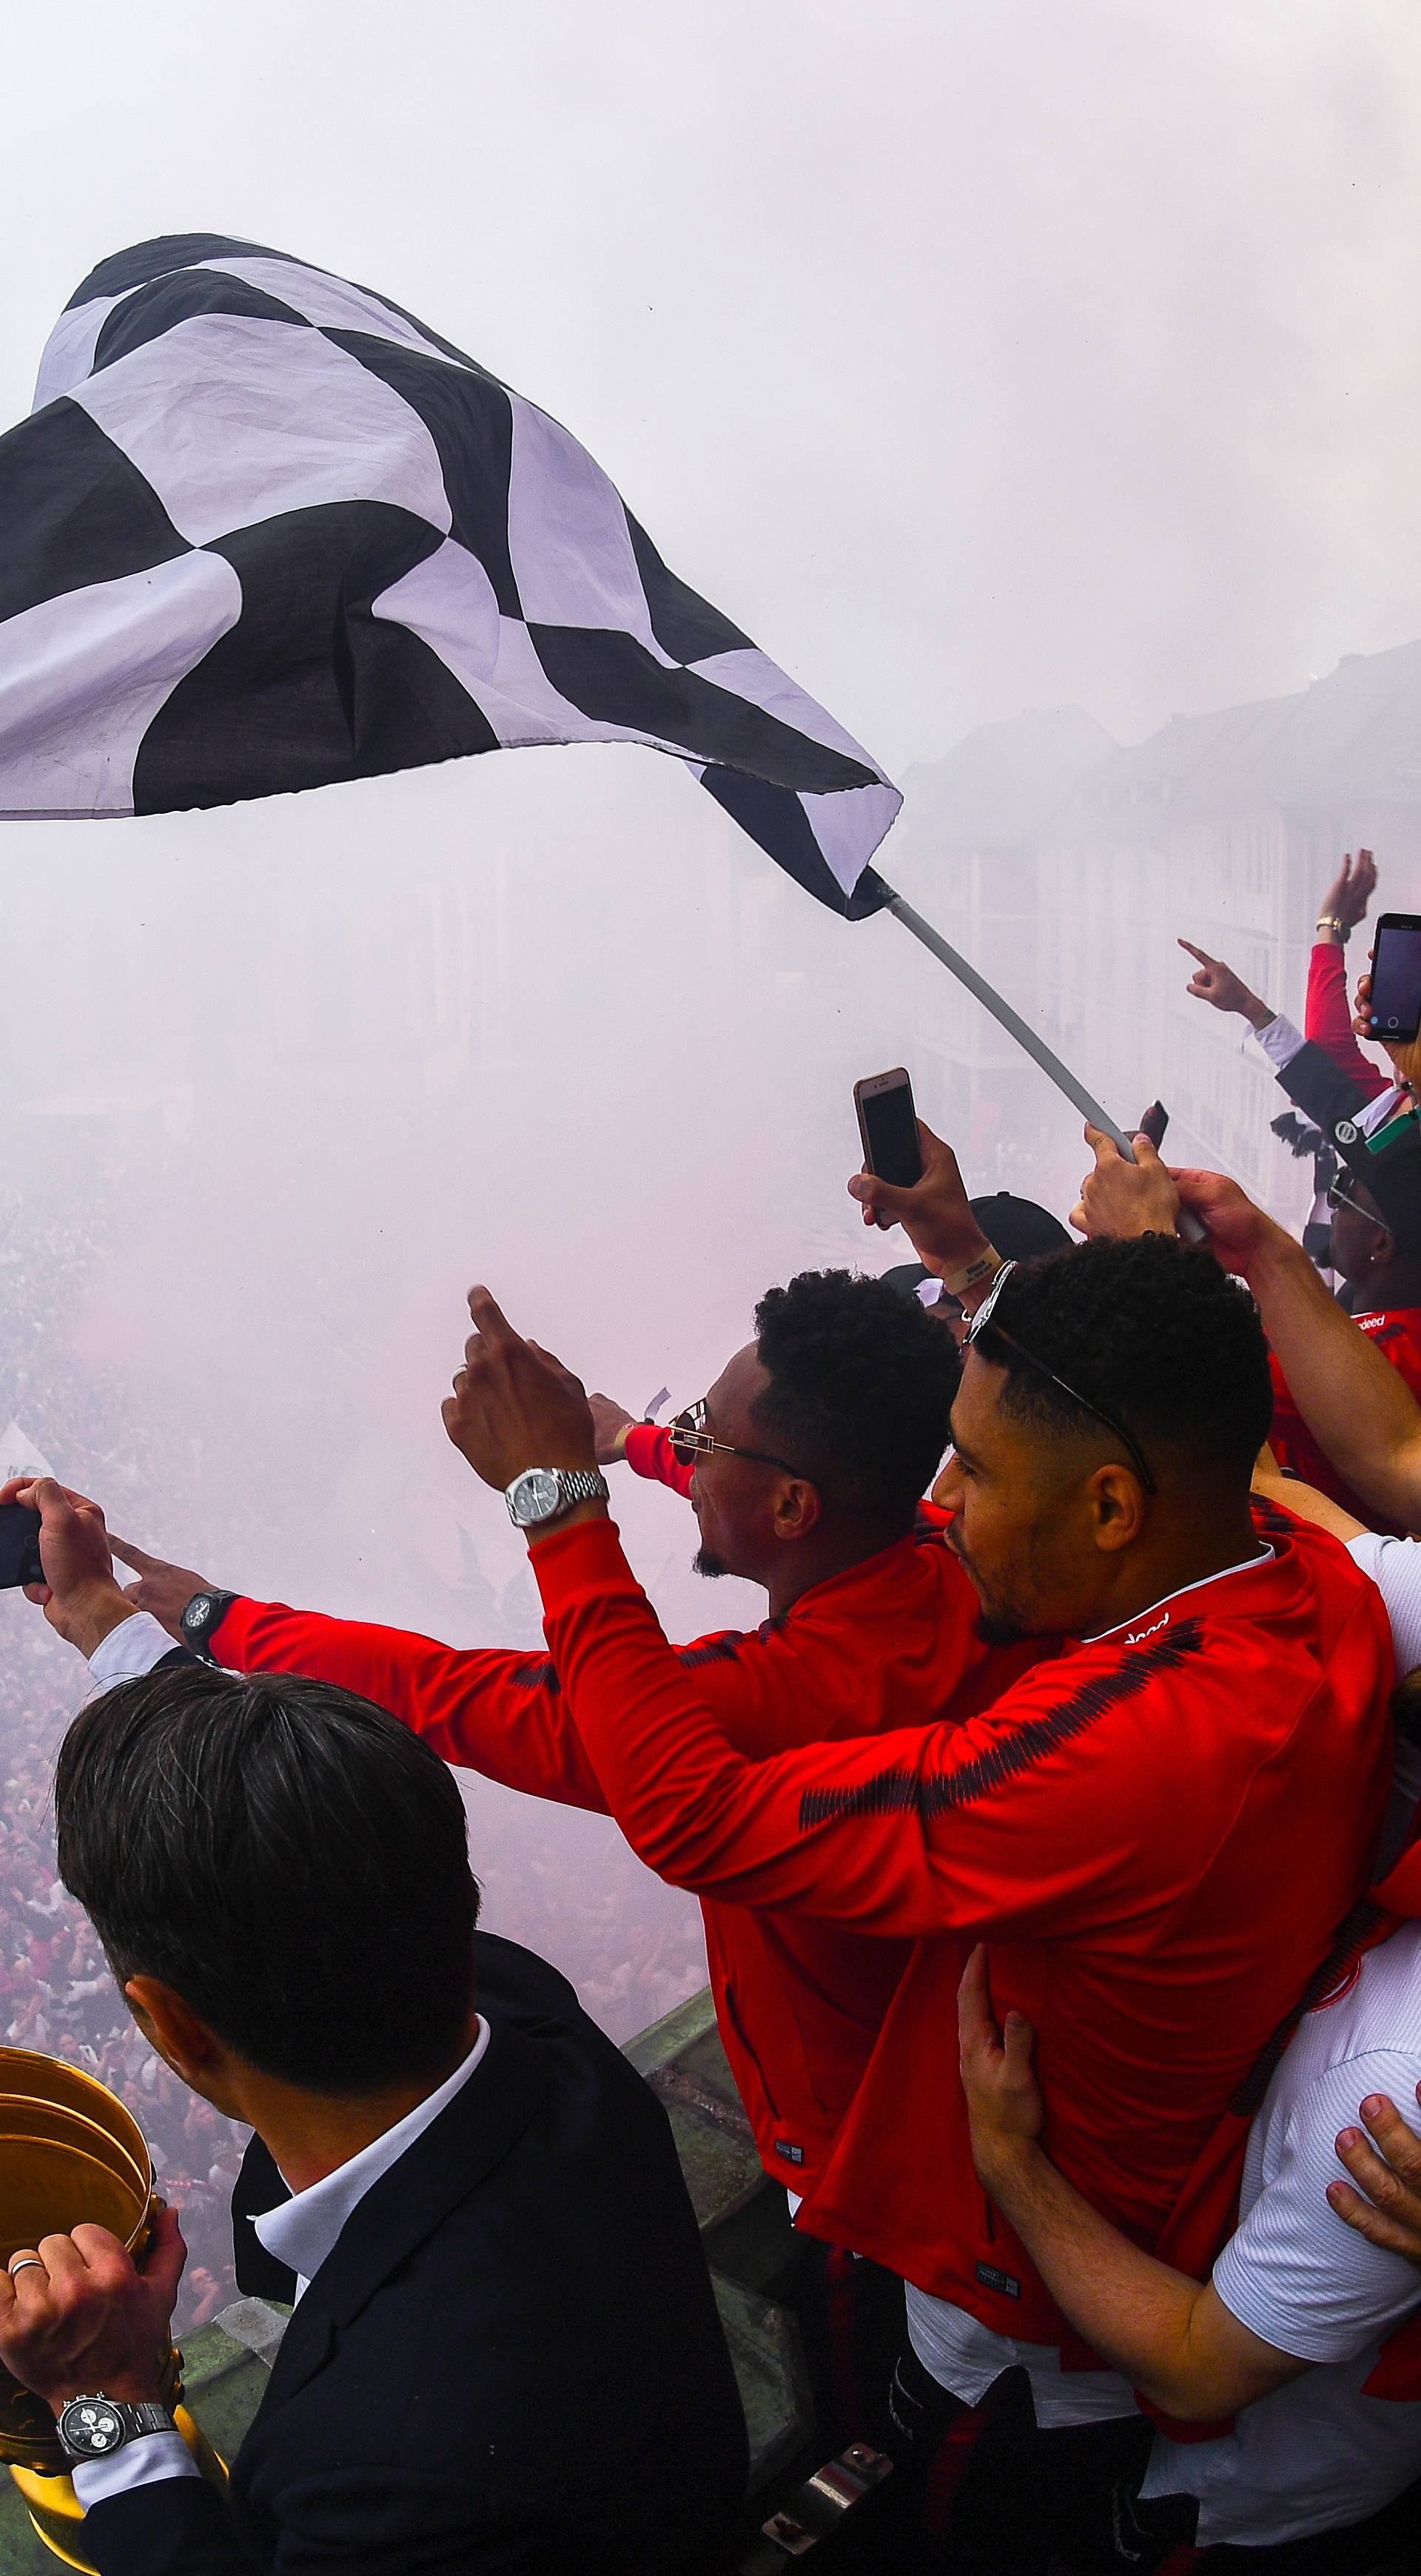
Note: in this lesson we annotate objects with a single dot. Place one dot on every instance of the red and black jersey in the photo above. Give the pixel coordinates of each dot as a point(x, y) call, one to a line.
point(1397, 1333)
point(1158, 1832)
point(893, 1642)
point(648, 1452)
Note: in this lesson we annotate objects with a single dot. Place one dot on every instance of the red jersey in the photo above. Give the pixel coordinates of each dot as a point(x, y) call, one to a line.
point(648, 1452)
point(1397, 1334)
point(1159, 1831)
point(892, 1642)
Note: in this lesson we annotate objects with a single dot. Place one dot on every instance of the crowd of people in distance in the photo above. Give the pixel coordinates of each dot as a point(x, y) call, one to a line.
point(1057, 1841)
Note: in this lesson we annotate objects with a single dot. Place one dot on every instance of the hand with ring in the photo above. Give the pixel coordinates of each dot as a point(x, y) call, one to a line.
point(77, 2314)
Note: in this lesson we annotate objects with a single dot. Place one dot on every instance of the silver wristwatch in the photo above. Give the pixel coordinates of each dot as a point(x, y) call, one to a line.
point(543, 1494)
point(93, 2428)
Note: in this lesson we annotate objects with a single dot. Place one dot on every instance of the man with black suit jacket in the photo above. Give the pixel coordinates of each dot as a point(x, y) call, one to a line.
point(504, 2355)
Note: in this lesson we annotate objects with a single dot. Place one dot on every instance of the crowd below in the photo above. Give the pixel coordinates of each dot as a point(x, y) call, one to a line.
point(1056, 1843)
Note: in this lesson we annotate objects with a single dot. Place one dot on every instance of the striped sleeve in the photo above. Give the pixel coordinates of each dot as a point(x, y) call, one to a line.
point(1293, 2271)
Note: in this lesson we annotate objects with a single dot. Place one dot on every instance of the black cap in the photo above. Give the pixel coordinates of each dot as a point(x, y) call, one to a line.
point(1016, 1228)
point(1389, 1167)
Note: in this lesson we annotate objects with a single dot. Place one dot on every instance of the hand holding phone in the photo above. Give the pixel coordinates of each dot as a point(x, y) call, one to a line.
point(888, 1131)
point(1395, 999)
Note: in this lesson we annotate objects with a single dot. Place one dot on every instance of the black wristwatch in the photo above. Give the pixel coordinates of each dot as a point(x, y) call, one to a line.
point(93, 2428)
point(204, 1613)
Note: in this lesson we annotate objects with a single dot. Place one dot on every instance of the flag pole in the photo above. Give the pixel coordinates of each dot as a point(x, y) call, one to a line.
point(1025, 1036)
point(1010, 1020)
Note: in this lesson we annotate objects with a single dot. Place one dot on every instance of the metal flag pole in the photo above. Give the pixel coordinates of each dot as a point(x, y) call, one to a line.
point(1026, 1037)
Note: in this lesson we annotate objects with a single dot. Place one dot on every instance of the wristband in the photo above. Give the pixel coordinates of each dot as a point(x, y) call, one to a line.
point(619, 1445)
point(959, 1282)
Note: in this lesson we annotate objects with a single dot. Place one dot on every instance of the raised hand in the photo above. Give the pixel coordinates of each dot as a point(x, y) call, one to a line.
point(1237, 1230)
point(80, 1595)
point(1120, 1198)
point(1216, 983)
point(935, 1214)
point(514, 1406)
point(1405, 1055)
point(1351, 890)
point(610, 1424)
point(163, 1590)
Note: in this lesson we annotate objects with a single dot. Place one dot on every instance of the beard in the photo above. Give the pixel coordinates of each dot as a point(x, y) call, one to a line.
point(999, 1622)
point(706, 1562)
point(1001, 1626)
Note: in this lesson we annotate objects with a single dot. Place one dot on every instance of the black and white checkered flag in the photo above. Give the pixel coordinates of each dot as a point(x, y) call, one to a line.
point(263, 531)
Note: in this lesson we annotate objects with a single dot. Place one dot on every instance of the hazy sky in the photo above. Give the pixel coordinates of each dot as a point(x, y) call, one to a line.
point(974, 354)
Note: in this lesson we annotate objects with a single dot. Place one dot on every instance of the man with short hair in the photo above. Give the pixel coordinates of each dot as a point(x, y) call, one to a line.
point(805, 1466)
point(1111, 1824)
point(505, 2358)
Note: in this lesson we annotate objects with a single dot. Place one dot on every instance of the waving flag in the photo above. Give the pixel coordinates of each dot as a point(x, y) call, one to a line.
point(263, 531)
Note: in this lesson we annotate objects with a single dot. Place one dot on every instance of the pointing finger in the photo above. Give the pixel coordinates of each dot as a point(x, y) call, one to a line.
point(493, 1325)
point(137, 1557)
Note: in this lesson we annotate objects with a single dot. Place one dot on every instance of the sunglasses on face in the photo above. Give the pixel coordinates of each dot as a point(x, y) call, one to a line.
point(691, 1440)
point(982, 1320)
point(1337, 1197)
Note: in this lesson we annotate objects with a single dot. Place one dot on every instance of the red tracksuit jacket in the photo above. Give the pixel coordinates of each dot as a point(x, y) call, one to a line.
point(893, 1642)
point(1160, 1831)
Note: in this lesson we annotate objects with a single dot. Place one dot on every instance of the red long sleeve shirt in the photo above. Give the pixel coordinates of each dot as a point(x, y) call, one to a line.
point(648, 1452)
point(1396, 1330)
point(1160, 1832)
point(1328, 1019)
point(893, 1641)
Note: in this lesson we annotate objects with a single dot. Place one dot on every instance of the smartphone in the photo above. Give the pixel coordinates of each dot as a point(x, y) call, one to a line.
point(1154, 1123)
point(888, 1126)
point(19, 1546)
point(1396, 976)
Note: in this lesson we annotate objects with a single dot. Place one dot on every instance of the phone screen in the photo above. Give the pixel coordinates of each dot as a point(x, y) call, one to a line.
point(19, 1546)
point(890, 1134)
point(1396, 979)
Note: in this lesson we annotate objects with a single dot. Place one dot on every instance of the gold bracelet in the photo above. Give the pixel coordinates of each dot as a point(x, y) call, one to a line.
point(986, 1266)
point(1329, 921)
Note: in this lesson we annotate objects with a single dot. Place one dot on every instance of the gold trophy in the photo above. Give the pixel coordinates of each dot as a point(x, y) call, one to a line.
point(70, 2155)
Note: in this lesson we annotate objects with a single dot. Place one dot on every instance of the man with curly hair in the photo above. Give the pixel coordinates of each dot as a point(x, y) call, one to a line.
point(805, 1466)
point(1160, 1832)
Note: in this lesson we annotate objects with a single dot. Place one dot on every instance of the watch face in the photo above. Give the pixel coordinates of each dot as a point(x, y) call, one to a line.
point(92, 2426)
point(534, 1496)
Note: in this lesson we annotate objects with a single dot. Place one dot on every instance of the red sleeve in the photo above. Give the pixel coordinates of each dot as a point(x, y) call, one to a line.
point(994, 1822)
point(1328, 1020)
point(498, 1713)
point(648, 1452)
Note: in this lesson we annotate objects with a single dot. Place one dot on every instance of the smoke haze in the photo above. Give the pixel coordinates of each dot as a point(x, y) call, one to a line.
point(974, 359)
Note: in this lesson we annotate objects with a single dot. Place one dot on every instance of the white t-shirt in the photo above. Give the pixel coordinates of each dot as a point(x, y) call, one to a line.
point(1316, 2454)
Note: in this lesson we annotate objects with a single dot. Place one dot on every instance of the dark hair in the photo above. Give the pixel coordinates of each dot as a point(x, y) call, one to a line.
point(1154, 1332)
point(288, 1858)
point(861, 1388)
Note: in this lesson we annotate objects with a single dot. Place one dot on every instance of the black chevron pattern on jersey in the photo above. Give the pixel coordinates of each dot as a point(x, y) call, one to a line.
point(935, 1792)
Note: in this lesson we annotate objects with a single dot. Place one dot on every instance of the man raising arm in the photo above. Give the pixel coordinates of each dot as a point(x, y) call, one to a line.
point(1357, 1407)
point(1112, 1821)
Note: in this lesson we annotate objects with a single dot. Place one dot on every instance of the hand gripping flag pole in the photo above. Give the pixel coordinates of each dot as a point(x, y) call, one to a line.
point(1016, 1027)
